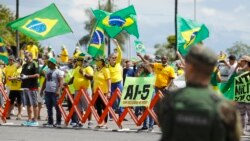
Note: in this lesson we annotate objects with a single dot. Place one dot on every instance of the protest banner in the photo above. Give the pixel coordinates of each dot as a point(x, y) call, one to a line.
point(137, 91)
point(242, 88)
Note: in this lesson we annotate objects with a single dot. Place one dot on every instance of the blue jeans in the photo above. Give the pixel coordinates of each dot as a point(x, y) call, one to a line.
point(51, 101)
point(151, 122)
point(115, 106)
point(149, 118)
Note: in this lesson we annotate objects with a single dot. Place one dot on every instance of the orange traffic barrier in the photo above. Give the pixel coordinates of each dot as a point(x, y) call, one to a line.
point(74, 102)
point(4, 111)
point(108, 109)
point(148, 111)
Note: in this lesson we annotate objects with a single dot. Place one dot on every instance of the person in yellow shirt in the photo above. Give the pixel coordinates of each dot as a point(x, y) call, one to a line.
point(115, 69)
point(15, 89)
point(102, 80)
point(33, 49)
point(9, 70)
point(164, 74)
point(64, 55)
point(77, 52)
point(82, 75)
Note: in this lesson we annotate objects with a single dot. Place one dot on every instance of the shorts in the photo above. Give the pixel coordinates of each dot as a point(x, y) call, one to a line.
point(40, 99)
point(15, 95)
point(82, 102)
point(31, 97)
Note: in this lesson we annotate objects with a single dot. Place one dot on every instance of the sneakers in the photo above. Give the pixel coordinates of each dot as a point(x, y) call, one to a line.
point(79, 125)
point(34, 123)
point(150, 129)
point(26, 123)
point(52, 125)
point(57, 125)
point(101, 126)
point(143, 129)
point(90, 123)
point(48, 125)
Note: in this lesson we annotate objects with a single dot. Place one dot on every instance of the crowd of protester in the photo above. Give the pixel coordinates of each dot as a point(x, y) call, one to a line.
point(39, 76)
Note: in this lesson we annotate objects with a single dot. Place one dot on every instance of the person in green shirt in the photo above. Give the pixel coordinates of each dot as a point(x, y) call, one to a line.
point(197, 112)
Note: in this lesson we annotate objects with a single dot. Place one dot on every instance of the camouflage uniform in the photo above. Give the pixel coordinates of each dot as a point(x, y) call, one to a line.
point(198, 113)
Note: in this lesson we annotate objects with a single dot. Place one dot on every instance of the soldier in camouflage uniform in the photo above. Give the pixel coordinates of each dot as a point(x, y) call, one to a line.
point(198, 113)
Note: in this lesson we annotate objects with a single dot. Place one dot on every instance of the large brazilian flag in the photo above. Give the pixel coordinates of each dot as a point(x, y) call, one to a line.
point(43, 24)
point(189, 33)
point(116, 22)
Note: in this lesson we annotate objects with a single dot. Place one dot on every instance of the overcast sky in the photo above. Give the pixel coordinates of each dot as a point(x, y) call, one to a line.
point(227, 20)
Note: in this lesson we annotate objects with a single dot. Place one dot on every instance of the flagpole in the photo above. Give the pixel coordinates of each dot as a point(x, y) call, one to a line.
point(109, 45)
point(17, 33)
point(77, 41)
point(176, 12)
point(195, 10)
point(129, 43)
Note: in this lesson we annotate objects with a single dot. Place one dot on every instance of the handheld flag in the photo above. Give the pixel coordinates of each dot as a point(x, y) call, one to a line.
point(139, 47)
point(189, 33)
point(114, 23)
point(97, 42)
point(42, 24)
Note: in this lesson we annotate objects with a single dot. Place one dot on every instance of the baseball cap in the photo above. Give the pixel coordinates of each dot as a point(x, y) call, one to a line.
point(245, 58)
point(52, 60)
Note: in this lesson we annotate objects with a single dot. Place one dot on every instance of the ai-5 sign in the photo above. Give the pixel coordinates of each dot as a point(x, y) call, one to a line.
point(242, 88)
point(137, 91)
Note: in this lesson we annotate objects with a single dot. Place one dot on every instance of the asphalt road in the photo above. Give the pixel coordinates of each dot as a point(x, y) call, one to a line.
point(11, 133)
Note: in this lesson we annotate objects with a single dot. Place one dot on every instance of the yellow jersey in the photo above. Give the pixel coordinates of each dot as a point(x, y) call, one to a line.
point(16, 84)
point(33, 50)
point(9, 71)
point(64, 56)
point(116, 71)
point(100, 80)
point(81, 81)
point(163, 75)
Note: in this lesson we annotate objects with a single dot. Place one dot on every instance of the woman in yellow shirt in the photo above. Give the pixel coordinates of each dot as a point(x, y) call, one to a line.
point(115, 69)
point(102, 81)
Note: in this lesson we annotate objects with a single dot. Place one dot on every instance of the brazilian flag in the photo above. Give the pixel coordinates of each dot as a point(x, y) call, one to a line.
point(114, 23)
point(42, 24)
point(97, 42)
point(189, 33)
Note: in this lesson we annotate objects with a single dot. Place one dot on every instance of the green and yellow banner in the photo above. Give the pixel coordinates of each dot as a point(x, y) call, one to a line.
point(242, 88)
point(137, 91)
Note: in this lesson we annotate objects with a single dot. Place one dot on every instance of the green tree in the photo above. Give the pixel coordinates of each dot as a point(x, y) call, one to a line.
point(239, 49)
point(89, 25)
point(7, 34)
point(167, 48)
